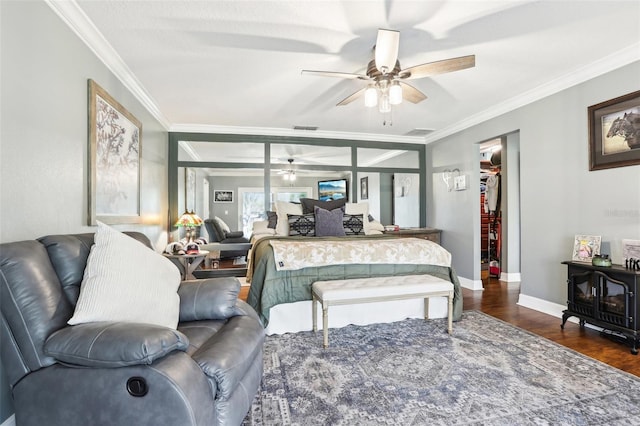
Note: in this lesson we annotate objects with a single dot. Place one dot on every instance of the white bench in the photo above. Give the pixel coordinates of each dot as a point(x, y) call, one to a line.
point(376, 289)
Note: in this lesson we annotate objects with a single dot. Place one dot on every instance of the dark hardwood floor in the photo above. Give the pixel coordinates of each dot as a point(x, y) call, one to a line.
point(499, 299)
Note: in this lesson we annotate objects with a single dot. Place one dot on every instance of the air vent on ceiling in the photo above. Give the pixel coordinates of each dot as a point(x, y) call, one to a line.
point(309, 128)
point(419, 132)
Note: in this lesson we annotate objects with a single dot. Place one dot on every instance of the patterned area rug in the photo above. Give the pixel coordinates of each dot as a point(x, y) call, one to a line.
point(413, 373)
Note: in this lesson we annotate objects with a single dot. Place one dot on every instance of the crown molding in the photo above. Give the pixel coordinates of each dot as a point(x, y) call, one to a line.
point(75, 18)
point(273, 131)
point(602, 66)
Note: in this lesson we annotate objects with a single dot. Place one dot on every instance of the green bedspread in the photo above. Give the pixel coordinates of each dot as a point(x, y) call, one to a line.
point(270, 287)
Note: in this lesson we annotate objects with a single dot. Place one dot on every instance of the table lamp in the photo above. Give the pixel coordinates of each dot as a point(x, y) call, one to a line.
point(189, 220)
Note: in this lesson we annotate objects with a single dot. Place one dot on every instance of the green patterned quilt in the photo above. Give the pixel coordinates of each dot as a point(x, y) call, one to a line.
point(270, 287)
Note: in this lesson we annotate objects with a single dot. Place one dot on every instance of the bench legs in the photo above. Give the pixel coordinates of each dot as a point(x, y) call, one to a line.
point(325, 315)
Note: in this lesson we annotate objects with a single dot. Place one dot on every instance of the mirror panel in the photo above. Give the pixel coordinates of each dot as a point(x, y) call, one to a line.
point(311, 154)
point(221, 152)
point(372, 157)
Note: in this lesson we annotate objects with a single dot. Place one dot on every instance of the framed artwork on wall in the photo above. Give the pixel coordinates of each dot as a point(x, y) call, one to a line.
point(115, 145)
point(222, 196)
point(364, 188)
point(614, 132)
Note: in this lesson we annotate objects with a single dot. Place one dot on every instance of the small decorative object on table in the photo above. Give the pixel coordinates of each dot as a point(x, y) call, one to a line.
point(601, 260)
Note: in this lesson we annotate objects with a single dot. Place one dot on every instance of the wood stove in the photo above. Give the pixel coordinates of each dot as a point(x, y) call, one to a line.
point(606, 297)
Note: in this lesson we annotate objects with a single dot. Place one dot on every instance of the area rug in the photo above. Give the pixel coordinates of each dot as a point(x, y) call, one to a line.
point(413, 373)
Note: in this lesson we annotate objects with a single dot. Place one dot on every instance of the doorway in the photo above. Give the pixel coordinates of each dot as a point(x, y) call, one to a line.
point(500, 208)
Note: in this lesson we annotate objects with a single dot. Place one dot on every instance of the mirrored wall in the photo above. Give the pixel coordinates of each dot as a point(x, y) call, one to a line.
point(228, 176)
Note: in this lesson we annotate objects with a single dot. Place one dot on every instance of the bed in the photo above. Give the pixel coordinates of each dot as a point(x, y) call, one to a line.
point(282, 269)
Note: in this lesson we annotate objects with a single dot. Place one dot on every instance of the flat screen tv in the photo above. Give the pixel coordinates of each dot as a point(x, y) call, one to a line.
point(334, 189)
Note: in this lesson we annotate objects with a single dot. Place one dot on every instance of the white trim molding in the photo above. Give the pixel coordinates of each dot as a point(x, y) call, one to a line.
point(510, 277)
point(540, 305)
point(75, 18)
point(470, 284)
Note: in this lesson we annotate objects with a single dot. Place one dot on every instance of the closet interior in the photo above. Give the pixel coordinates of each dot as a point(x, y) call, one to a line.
point(490, 212)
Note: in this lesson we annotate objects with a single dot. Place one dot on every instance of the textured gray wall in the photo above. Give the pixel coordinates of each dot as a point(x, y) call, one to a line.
point(43, 136)
point(559, 196)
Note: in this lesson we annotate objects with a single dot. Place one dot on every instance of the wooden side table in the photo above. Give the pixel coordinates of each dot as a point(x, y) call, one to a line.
point(187, 263)
point(431, 234)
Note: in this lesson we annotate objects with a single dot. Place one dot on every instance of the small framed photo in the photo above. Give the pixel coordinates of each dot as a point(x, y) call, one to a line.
point(585, 247)
point(614, 132)
point(630, 249)
point(222, 196)
point(364, 188)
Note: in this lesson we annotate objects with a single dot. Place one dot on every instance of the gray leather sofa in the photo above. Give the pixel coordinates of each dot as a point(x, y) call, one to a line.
point(206, 372)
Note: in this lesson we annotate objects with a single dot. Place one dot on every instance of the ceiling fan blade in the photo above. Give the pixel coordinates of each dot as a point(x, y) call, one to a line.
point(438, 67)
point(352, 97)
point(386, 50)
point(350, 76)
point(412, 94)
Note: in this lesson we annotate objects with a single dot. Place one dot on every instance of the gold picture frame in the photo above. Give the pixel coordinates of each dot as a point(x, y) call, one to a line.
point(115, 146)
point(614, 132)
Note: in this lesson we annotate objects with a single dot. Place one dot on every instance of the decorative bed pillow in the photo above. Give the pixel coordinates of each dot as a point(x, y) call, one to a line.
point(302, 225)
point(352, 224)
point(308, 204)
point(329, 222)
point(272, 218)
point(283, 209)
point(359, 208)
point(126, 281)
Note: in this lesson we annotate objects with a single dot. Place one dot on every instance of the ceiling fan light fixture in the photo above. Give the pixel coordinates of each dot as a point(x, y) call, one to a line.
point(395, 93)
point(371, 96)
point(385, 105)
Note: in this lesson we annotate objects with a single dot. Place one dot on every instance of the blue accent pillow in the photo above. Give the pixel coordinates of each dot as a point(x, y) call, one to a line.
point(329, 222)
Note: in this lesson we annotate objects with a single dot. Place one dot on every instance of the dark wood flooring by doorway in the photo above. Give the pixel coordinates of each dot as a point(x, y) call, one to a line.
point(499, 299)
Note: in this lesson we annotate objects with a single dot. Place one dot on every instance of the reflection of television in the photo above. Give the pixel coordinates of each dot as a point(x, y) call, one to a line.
point(334, 189)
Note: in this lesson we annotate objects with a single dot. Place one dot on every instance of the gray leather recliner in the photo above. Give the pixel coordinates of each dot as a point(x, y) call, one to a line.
point(206, 372)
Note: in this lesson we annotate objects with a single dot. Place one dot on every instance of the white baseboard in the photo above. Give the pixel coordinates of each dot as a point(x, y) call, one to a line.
point(11, 421)
point(540, 305)
point(470, 284)
point(510, 277)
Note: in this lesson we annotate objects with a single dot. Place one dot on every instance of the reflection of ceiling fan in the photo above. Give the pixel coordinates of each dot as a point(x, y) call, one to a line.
point(386, 78)
point(289, 174)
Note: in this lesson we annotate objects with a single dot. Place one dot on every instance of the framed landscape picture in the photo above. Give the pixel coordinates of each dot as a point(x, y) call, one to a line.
point(614, 132)
point(115, 144)
point(585, 247)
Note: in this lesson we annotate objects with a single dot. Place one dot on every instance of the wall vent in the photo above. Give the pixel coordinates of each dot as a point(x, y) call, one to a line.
point(308, 128)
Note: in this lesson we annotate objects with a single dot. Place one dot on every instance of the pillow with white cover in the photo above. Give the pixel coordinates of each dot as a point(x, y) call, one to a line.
point(124, 280)
point(283, 209)
point(359, 208)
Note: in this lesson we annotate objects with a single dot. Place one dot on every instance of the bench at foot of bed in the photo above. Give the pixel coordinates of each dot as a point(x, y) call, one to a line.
point(376, 289)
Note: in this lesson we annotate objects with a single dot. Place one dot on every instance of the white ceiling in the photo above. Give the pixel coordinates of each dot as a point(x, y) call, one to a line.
point(223, 65)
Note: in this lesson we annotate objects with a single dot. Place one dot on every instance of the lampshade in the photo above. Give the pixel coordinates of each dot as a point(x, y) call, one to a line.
point(395, 93)
point(189, 220)
point(371, 96)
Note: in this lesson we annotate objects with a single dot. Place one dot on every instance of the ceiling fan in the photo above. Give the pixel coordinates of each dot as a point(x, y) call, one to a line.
point(386, 78)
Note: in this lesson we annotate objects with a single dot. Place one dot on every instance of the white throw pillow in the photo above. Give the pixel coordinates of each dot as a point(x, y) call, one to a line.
point(282, 210)
point(124, 280)
point(221, 223)
point(360, 208)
